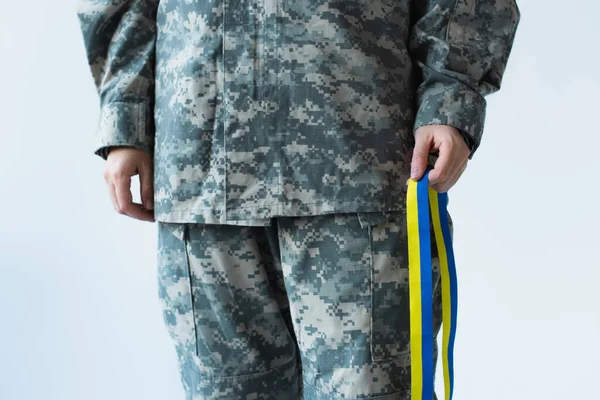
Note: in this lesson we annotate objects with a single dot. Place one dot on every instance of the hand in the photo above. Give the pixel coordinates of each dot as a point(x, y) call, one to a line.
point(452, 160)
point(121, 164)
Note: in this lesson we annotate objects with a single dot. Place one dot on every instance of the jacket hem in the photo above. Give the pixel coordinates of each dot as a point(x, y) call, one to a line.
point(261, 215)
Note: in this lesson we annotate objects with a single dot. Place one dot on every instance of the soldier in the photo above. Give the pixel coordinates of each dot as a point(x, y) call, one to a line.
point(273, 141)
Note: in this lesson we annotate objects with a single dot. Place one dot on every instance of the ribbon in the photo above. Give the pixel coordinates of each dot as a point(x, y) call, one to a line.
point(421, 200)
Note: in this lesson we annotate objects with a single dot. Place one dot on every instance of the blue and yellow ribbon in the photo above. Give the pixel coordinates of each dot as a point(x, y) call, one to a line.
point(421, 200)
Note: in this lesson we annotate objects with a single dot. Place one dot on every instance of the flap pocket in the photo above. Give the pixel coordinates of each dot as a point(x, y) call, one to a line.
point(371, 218)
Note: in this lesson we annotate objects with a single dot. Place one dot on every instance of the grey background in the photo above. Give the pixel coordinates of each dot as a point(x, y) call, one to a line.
point(79, 312)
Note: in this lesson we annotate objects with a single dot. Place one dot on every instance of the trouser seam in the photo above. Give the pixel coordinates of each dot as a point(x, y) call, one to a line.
point(212, 376)
point(333, 397)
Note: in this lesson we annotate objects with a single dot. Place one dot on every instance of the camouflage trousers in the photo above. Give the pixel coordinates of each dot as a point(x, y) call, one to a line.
point(310, 307)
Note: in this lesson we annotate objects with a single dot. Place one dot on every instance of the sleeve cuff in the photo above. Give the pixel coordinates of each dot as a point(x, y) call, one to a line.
point(124, 124)
point(453, 104)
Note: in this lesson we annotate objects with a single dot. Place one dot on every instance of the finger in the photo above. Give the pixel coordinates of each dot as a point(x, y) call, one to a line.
point(444, 166)
point(147, 186)
point(113, 195)
point(111, 189)
point(452, 181)
point(125, 200)
point(420, 155)
point(140, 212)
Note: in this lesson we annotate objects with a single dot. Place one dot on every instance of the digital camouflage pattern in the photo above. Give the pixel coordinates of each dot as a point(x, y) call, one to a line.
point(254, 109)
point(312, 307)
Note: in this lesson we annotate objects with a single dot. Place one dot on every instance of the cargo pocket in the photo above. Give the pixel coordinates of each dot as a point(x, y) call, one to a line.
point(389, 284)
point(175, 292)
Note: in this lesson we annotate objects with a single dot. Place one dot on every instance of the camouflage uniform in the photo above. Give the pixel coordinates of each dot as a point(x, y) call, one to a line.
point(258, 111)
point(310, 307)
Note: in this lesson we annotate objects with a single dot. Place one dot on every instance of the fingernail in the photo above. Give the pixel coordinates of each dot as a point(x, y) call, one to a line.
point(413, 173)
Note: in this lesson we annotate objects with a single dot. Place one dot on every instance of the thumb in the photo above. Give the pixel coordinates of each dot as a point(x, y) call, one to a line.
point(420, 155)
point(147, 185)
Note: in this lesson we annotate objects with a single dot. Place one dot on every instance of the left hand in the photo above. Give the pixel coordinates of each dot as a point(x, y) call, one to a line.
point(452, 160)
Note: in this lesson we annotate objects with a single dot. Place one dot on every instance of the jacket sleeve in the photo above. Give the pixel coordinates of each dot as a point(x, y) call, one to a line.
point(460, 49)
point(119, 38)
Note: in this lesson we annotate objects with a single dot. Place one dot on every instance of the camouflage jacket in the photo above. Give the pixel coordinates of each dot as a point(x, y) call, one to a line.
point(254, 109)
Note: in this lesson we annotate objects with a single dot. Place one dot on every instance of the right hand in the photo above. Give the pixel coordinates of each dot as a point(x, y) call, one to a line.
point(121, 164)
